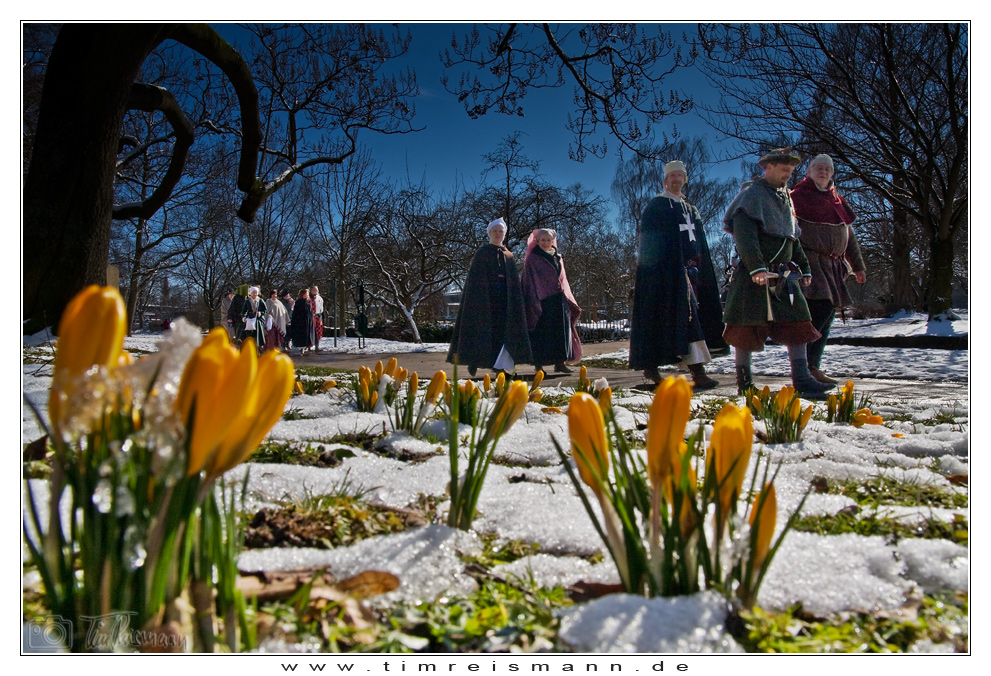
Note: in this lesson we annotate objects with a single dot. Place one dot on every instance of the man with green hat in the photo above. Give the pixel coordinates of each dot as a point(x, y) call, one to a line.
point(765, 298)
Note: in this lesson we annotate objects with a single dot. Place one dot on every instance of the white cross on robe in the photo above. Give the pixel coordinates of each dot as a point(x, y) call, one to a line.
point(688, 227)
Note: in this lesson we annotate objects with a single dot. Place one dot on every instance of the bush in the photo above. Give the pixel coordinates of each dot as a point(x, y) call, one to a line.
point(436, 332)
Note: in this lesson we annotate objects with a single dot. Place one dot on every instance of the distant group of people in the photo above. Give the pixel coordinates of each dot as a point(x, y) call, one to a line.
point(281, 323)
point(794, 252)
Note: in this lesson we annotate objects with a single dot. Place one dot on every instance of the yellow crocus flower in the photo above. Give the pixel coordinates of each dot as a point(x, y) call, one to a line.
point(806, 416)
point(861, 417)
point(874, 420)
point(487, 382)
point(589, 446)
point(730, 446)
point(390, 367)
point(267, 399)
point(796, 410)
point(764, 526)
point(583, 375)
point(536, 395)
point(91, 333)
point(378, 370)
point(667, 417)
point(414, 382)
point(783, 399)
point(538, 378)
point(500, 382)
point(436, 387)
point(605, 399)
point(298, 387)
point(508, 408)
point(213, 391)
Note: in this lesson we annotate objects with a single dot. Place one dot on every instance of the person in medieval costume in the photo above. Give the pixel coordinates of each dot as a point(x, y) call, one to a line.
point(277, 322)
point(288, 302)
point(235, 312)
point(254, 315)
point(490, 331)
point(827, 237)
point(551, 309)
point(302, 322)
point(765, 297)
point(225, 309)
point(674, 280)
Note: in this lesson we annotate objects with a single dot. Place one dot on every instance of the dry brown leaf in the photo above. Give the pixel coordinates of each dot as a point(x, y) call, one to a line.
point(368, 584)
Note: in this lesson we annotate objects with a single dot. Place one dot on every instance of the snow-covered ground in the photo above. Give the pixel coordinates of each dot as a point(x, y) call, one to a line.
point(827, 574)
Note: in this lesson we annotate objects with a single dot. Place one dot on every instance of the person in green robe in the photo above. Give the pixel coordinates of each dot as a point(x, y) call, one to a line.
point(765, 297)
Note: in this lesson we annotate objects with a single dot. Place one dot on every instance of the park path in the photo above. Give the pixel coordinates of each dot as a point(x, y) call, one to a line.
point(428, 363)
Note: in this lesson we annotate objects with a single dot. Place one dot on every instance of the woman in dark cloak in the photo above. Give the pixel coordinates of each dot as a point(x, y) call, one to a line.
point(302, 322)
point(551, 310)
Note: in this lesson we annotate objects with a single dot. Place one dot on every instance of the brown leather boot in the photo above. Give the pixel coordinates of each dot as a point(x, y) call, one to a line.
point(822, 377)
point(701, 381)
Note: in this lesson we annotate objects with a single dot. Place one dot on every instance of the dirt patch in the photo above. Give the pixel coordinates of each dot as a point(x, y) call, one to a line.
point(342, 524)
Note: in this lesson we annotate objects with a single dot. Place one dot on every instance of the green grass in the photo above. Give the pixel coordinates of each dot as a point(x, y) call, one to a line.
point(558, 400)
point(337, 519)
point(876, 523)
point(298, 453)
point(606, 363)
point(889, 491)
point(321, 371)
point(938, 619)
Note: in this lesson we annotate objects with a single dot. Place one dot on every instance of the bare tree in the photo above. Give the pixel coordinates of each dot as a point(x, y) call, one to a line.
point(90, 83)
point(410, 259)
point(346, 200)
point(888, 101)
point(615, 69)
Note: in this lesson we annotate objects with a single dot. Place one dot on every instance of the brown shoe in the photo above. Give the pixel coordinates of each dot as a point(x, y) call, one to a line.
point(701, 381)
point(562, 368)
point(822, 377)
point(652, 375)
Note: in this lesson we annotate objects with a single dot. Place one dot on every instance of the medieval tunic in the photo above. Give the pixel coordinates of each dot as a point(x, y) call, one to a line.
point(254, 307)
point(672, 261)
point(276, 336)
point(551, 311)
point(491, 316)
point(828, 240)
point(763, 226)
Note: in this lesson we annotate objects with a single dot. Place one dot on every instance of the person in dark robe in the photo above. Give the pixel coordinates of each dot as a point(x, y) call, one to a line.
point(253, 317)
point(831, 246)
point(490, 331)
point(302, 323)
point(765, 296)
point(235, 313)
point(551, 310)
point(674, 279)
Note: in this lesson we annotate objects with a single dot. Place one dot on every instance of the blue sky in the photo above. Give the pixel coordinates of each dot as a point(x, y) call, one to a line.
point(451, 146)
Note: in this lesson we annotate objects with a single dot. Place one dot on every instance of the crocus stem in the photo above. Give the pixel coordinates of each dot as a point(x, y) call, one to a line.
point(616, 541)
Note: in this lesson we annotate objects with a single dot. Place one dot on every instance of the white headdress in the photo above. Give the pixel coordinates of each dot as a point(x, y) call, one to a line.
point(675, 165)
point(497, 223)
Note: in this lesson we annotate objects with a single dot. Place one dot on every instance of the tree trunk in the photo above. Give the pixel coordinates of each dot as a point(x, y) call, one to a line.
point(939, 286)
point(68, 191)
